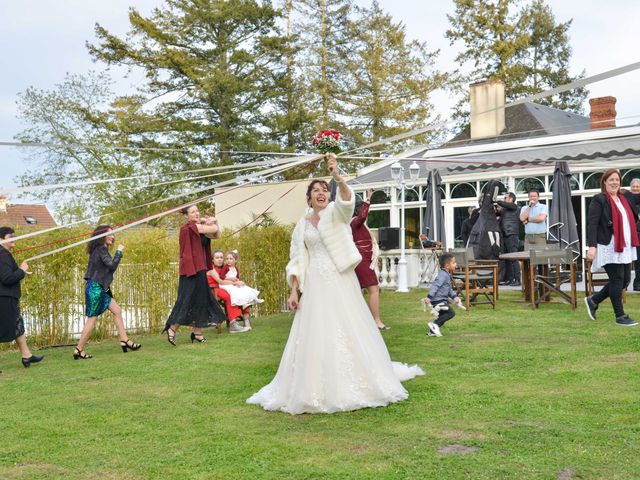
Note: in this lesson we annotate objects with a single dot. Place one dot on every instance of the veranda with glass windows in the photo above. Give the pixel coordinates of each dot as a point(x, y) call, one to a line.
point(461, 191)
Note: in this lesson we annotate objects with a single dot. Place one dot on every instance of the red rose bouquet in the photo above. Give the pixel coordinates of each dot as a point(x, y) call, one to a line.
point(328, 141)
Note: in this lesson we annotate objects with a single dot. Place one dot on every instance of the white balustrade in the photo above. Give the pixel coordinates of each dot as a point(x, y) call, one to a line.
point(422, 267)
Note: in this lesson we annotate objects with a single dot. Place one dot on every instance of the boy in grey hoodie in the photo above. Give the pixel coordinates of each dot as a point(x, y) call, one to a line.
point(440, 293)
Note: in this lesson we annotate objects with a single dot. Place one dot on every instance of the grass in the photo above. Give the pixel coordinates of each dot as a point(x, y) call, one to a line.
point(539, 394)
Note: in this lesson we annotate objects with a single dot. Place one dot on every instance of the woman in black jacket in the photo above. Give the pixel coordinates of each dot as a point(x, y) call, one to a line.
point(612, 238)
point(98, 296)
point(11, 323)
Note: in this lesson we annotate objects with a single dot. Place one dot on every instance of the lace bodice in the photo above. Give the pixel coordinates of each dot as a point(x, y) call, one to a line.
point(319, 258)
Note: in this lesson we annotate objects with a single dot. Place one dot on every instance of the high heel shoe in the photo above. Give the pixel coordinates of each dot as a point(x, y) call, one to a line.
point(129, 345)
point(26, 362)
point(80, 354)
point(195, 336)
point(170, 338)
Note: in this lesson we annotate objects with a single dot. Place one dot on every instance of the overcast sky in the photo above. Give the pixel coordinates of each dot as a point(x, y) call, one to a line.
point(42, 40)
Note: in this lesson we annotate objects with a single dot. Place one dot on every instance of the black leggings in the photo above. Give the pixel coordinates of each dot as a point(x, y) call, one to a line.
point(619, 277)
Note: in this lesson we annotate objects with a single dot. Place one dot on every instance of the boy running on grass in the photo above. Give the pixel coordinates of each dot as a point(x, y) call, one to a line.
point(440, 293)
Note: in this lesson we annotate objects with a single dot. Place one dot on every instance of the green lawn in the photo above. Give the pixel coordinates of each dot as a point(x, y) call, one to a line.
point(539, 394)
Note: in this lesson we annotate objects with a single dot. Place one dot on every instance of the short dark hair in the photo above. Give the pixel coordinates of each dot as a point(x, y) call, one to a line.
point(534, 190)
point(446, 258)
point(97, 242)
point(511, 195)
point(4, 231)
point(312, 184)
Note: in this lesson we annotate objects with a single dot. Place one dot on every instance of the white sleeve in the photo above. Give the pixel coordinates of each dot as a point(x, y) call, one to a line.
point(293, 267)
point(344, 209)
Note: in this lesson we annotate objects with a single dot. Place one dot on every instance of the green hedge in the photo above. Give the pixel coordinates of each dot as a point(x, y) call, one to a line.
point(146, 282)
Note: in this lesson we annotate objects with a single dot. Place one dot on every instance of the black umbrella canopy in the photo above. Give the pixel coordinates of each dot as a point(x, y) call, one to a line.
point(563, 227)
point(433, 220)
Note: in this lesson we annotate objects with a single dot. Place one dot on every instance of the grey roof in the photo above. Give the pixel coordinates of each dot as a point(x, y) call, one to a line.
point(529, 120)
point(618, 148)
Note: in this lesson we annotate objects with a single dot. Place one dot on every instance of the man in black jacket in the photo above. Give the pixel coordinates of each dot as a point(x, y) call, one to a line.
point(11, 323)
point(509, 213)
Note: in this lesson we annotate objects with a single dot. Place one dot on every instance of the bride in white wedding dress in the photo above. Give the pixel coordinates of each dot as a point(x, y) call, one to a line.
point(335, 359)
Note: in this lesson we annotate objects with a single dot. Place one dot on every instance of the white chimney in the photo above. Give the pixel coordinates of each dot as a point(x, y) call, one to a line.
point(4, 202)
point(488, 97)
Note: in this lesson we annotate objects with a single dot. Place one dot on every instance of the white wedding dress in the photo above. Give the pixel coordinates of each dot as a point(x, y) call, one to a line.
point(335, 359)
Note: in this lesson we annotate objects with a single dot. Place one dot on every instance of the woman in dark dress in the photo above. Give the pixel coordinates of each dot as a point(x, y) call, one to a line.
point(11, 323)
point(97, 292)
point(367, 276)
point(195, 305)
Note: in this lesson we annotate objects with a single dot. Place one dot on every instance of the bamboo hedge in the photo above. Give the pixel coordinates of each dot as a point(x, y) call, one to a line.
point(145, 283)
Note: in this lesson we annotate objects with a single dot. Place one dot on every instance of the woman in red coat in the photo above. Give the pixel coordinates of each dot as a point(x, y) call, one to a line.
point(195, 305)
point(367, 276)
point(234, 312)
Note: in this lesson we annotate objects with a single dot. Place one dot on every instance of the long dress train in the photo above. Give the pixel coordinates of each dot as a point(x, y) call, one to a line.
point(335, 358)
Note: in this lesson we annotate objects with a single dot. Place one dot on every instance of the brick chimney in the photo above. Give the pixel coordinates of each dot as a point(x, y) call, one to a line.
point(603, 112)
point(4, 202)
point(487, 97)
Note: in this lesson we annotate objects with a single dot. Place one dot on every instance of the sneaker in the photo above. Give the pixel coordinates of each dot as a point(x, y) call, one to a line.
point(625, 321)
point(430, 334)
point(236, 328)
point(247, 324)
point(516, 283)
point(435, 329)
point(591, 307)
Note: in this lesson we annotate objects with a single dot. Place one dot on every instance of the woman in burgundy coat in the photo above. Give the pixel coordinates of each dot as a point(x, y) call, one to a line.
point(367, 276)
point(195, 305)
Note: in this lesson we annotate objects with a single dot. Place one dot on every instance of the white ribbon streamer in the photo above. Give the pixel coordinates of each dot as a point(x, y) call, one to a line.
point(244, 178)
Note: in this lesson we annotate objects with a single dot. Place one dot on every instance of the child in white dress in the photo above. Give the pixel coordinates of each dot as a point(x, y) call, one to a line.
point(241, 294)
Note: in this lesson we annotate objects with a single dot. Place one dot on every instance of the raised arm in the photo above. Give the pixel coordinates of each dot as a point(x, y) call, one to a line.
point(208, 229)
point(508, 205)
point(359, 219)
point(345, 191)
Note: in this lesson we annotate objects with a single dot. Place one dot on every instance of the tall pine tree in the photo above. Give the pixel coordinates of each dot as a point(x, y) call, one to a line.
point(324, 35)
point(290, 122)
point(390, 78)
point(209, 68)
point(546, 61)
point(525, 48)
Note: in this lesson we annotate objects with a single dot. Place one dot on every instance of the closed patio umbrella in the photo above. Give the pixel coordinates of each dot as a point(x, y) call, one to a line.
point(433, 220)
point(563, 227)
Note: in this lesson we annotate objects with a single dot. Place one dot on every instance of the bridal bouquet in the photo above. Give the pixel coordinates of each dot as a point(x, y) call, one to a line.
point(328, 141)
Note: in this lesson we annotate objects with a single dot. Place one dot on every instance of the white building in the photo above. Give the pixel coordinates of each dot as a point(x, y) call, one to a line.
point(519, 146)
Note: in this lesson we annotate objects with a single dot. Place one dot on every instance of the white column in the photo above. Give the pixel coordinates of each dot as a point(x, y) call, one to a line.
point(402, 263)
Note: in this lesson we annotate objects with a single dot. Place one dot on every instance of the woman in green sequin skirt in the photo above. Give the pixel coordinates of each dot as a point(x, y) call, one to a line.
point(98, 296)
